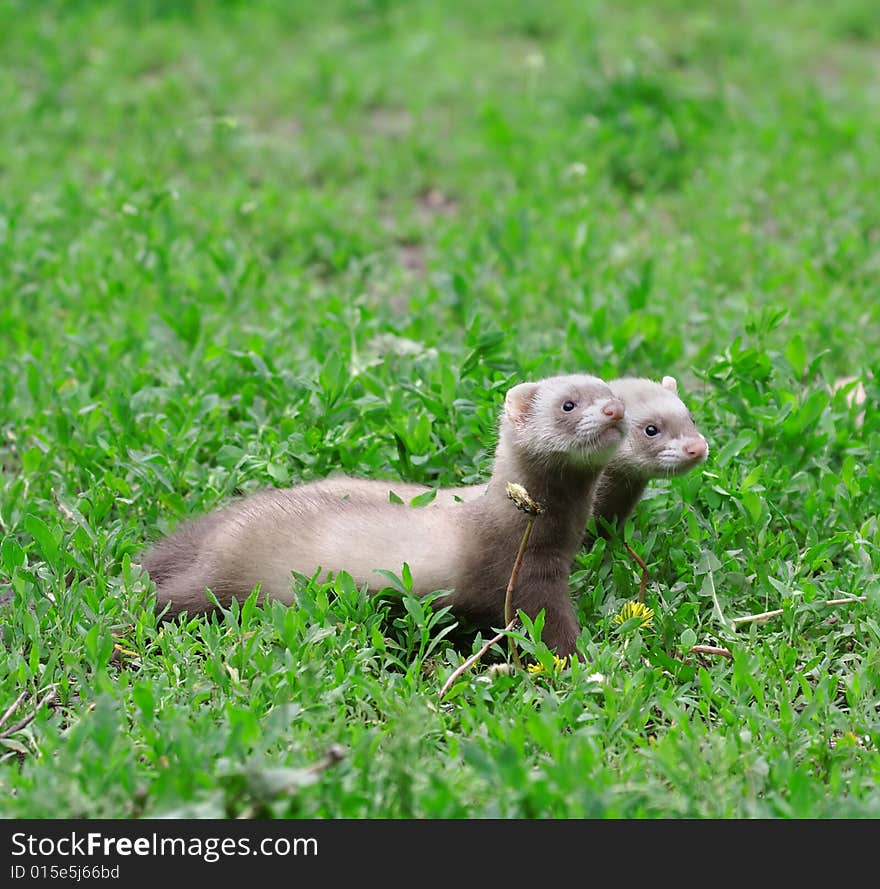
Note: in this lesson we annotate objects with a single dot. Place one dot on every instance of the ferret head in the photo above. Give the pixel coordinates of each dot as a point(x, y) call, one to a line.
point(662, 439)
point(568, 420)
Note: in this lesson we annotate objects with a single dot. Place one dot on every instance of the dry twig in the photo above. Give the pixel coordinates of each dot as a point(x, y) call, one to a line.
point(47, 698)
point(711, 649)
point(766, 615)
point(62, 508)
point(473, 659)
point(13, 707)
point(335, 754)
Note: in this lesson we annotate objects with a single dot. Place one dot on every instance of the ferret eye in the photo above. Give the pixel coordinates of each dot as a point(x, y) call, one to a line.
point(651, 430)
point(568, 406)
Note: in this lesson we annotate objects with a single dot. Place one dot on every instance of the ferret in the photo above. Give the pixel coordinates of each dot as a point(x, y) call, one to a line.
point(555, 436)
point(662, 441)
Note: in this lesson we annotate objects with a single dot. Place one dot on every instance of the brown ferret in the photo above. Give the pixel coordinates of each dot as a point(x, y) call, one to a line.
point(555, 436)
point(661, 441)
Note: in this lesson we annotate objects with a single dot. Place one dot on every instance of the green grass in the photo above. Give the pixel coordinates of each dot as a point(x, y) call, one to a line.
point(252, 244)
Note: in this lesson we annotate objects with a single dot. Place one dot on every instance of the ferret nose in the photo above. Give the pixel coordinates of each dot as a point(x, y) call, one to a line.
point(614, 409)
point(696, 447)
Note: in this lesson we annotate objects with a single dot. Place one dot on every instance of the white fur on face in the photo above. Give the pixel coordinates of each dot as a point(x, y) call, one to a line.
point(675, 448)
point(574, 419)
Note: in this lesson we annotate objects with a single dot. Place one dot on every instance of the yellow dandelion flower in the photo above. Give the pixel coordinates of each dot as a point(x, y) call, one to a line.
point(559, 664)
point(635, 609)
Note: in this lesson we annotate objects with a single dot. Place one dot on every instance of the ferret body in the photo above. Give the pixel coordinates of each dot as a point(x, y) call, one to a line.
point(662, 441)
point(555, 437)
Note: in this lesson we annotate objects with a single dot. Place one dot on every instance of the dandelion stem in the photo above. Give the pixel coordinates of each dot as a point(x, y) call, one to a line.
point(508, 596)
point(523, 501)
point(643, 584)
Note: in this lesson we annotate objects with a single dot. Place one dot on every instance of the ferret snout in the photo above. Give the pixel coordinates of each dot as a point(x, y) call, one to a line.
point(696, 448)
point(614, 409)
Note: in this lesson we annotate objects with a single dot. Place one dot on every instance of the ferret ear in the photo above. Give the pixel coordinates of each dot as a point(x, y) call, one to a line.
point(518, 401)
point(670, 384)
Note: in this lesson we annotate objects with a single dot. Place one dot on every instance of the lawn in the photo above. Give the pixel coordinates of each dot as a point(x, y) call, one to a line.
point(253, 244)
